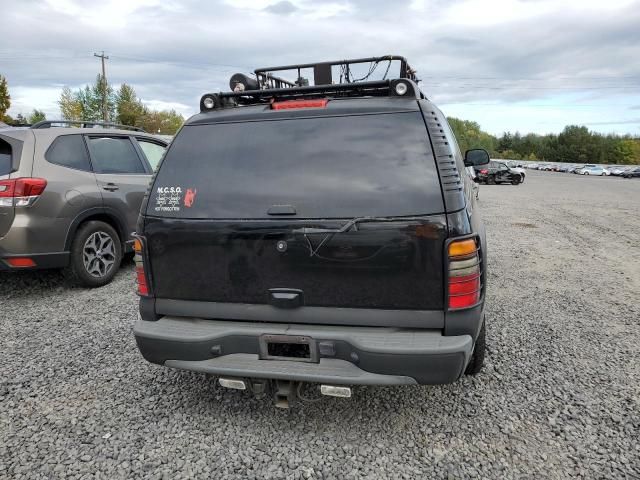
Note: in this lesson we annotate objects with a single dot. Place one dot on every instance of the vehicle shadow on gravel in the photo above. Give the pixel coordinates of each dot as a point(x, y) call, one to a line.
point(369, 405)
point(23, 284)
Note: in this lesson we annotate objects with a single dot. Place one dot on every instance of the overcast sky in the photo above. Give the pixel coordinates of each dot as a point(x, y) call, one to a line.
point(525, 65)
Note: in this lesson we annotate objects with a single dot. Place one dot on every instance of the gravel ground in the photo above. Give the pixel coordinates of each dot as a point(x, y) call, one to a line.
point(559, 396)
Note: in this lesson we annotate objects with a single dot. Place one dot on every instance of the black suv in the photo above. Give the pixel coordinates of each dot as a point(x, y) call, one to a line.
point(323, 234)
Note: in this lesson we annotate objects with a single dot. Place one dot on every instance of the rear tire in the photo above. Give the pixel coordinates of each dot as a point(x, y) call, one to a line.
point(477, 358)
point(96, 253)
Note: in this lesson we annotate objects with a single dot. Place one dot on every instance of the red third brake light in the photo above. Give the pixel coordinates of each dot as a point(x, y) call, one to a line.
point(293, 104)
point(464, 274)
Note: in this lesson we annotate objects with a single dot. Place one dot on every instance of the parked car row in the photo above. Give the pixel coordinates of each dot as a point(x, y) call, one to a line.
point(588, 169)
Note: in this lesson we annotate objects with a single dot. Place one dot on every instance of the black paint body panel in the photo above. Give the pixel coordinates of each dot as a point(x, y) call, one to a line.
point(394, 265)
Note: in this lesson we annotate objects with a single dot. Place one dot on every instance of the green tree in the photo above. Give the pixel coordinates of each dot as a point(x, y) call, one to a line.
point(505, 142)
point(575, 144)
point(129, 109)
point(124, 107)
point(627, 151)
point(87, 103)
point(101, 98)
point(36, 116)
point(469, 135)
point(70, 105)
point(5, 98)
point(165, 122)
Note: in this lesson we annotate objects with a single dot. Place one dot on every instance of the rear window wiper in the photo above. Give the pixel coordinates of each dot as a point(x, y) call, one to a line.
point(331, 232)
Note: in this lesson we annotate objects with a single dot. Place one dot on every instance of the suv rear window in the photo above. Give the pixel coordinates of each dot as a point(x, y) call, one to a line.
point(69, 151)
point(325, 167)
point(5, 158)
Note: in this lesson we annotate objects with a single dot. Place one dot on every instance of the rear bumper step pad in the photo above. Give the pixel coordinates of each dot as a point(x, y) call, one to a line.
point(359, 355)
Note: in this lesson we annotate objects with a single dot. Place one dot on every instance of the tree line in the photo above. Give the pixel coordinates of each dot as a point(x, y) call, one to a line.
point(575, 144)
point(91, 101)
point(122, 106)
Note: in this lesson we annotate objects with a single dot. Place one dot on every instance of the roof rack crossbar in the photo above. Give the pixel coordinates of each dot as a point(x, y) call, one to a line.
point(405, 69)
point(84, 124)
point(376, 88)
point(313, 89)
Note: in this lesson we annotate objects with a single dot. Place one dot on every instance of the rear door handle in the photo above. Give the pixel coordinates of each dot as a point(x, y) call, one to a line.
point(286, 297)
point(111, 187)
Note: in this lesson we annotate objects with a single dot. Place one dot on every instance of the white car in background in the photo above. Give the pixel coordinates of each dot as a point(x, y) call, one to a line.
point(593, 170)
point(514, 168)
point(618, 171)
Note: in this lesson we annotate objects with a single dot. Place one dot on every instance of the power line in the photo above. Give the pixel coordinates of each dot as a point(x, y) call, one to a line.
point(180, 62)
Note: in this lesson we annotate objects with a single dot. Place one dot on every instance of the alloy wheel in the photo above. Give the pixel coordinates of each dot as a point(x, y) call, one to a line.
point(98, 254)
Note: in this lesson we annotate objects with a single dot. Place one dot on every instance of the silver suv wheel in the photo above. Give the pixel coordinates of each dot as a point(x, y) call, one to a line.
point(98, 254)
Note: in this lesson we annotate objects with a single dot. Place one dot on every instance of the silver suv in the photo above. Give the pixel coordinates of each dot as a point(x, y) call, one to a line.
point(70, 197)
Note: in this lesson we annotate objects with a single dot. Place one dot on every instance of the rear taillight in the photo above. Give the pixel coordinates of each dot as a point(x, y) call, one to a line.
point(464, 273)
point(141, 275)
point(21, 192)
point(484, 172)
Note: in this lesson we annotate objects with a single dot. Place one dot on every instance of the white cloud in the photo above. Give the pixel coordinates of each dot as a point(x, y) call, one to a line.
point(185, 110)
point(104, 15)
point(500, 53)
point(496, 12)
point(25, 99)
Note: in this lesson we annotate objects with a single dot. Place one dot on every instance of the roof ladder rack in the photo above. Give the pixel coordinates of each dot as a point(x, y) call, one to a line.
point(266, 86)
point(323, 71)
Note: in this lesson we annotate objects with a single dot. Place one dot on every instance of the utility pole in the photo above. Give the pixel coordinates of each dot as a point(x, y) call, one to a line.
point(103, 57)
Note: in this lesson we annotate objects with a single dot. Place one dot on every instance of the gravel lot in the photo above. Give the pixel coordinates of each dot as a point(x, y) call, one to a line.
point(559, 396)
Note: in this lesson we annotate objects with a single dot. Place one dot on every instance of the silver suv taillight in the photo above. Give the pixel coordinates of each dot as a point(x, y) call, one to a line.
point(21, 192)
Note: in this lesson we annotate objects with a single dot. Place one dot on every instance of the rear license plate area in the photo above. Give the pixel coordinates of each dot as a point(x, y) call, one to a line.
point(293, 348)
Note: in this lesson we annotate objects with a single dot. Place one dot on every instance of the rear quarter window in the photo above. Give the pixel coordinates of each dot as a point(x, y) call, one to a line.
point(6, 166)
point(153, 151)
point(69, 151)
point(324, 167)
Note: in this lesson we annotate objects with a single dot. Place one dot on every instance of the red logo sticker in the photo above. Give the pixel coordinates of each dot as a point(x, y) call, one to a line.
point(189, 197)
